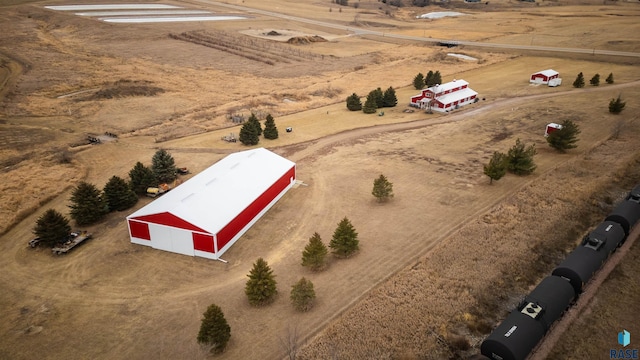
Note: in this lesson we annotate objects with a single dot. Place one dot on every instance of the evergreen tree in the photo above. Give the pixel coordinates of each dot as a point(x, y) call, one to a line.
point(302, 295)
point(354, 103)
point(520, 159)
point(609, 79)
point(214, 332)
point(370, 105)
point(616, 105)
point(595, 80)
point(565, 138)
point(379, 96)
point(52, 228)
point(436, 78)
point(428, 80)
point(382, 189)
point(163, 166)
point(345, 239)
point(497, 167)
point(261, 286)
point(87, 204)
point(253, 120)
point(579, 82)
point(270, 129)
point(418, 81)
point(119, 195)
point(141, 178)
point(389, 98)
point(249, 134)
point(315, 253)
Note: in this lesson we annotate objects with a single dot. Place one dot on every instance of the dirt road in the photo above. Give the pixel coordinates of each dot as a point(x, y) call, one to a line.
point(301, 151)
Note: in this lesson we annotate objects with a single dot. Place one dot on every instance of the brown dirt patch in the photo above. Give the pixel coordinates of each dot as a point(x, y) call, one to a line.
point(304, 40)
point(123, 88)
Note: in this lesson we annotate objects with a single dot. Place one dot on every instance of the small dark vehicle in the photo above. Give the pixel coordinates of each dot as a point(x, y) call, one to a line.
point(34, 242)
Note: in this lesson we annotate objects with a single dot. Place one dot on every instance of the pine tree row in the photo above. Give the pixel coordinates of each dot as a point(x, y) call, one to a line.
point(432, 78)
point(595, 80)
point(251, 130)
point(376, 99)
point(89, 204)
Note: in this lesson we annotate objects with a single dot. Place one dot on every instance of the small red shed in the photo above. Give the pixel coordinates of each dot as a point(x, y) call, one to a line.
point(544, 76)
point(551, 127)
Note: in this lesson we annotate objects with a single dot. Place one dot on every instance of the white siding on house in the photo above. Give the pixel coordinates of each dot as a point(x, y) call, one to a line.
point(450, 98)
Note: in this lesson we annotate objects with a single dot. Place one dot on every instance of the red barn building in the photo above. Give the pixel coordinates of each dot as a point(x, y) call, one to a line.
point(551, 127)
point(208, 213)
point(445, 97)
point(544, 77)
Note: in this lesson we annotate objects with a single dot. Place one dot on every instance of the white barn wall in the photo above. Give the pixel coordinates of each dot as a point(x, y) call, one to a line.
point(160, 238)
point(181, 241)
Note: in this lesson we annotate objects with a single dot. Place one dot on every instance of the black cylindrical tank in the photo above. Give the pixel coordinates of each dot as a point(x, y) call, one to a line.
point(579, 266)
point(553, 296)
point(514, 338)
point(627, 212)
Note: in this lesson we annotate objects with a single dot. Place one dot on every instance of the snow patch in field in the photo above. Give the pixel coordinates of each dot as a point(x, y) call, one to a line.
point(438, 15)
point(142, 12)
point(463, 57)
point(140, 20)
point(110, 7)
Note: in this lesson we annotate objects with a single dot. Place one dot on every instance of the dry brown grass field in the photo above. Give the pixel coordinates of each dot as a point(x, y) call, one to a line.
point(443, 248)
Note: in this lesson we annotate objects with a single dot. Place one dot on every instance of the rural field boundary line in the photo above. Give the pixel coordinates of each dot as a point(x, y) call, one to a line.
point(359, 31)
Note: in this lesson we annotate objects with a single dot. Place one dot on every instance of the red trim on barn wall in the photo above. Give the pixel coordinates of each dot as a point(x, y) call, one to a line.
point(168, 219)
point(241, 220)
point(203, 242)
point(139, 230)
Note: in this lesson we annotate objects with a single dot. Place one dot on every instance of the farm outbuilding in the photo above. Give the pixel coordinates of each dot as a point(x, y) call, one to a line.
point(551, 127)
point(545, 77)
point(208, 213)
point(445, 97)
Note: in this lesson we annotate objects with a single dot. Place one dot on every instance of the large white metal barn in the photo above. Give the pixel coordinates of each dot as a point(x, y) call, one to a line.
point(208, 213)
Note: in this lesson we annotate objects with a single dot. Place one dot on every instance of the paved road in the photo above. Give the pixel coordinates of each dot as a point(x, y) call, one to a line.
point(360, 31)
